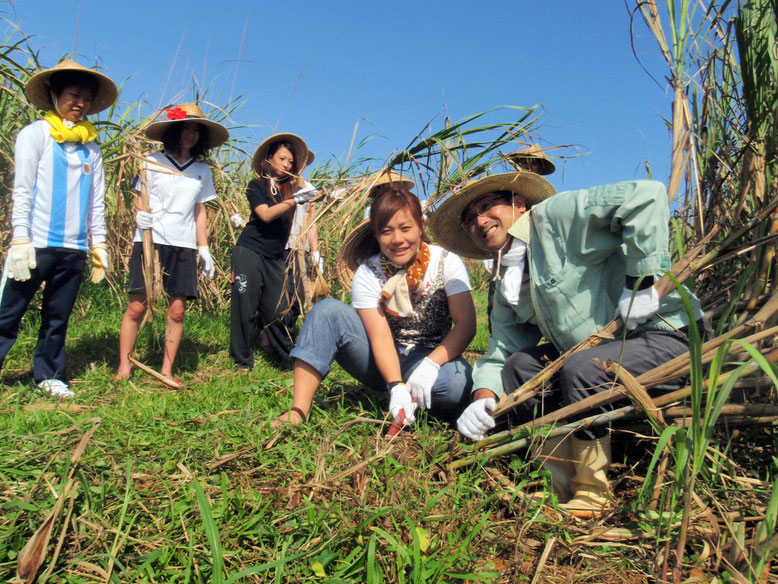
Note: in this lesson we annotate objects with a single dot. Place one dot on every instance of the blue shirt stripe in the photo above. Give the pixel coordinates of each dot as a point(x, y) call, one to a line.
point(85, 189)
point(59, 196)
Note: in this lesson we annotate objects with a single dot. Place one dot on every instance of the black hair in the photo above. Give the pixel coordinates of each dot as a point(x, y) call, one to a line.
point(171, 140)
point(62, 79)
point(284, 182)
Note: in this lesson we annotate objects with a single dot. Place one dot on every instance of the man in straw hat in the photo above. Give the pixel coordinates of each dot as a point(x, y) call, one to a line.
point(532, 159)
point(58, 204)
point(567, 265)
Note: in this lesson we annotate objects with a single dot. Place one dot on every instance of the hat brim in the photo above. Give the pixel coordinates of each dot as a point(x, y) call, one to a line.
point(217, 134)
point(446, 221)
point(546, 166)
point(387, 177)
point(37, 87)
point(300, 152)
point(360, 244)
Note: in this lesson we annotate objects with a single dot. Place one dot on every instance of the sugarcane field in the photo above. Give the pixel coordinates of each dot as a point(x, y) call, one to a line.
point(232, 352)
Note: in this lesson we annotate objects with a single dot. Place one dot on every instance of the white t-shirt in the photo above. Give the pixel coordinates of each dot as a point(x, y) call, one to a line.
point(366, 287)
point(173, 192)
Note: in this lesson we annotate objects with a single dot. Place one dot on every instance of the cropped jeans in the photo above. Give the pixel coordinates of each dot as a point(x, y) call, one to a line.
point(333, 331)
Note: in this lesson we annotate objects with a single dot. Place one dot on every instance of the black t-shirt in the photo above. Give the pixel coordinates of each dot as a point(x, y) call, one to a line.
point(268, 239)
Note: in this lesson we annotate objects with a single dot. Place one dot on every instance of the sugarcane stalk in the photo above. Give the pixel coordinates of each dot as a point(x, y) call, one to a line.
point(745, 413)
point(148, 250)
point(618, 393)
point(155, 374)
point(649, 379)
point(637, 392)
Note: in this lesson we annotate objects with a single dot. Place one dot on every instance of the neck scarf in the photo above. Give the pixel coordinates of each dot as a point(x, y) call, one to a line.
point(402, 280)
point(513, 260)
point(82, 131)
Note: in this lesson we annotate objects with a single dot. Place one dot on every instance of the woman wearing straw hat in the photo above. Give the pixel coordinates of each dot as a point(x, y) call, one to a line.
point(179, 183)
point(259, 260)
point(568, 264)
point(58, 203)
point(406, 294)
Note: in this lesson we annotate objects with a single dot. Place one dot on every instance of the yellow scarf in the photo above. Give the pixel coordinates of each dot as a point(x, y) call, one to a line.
point(82, 131)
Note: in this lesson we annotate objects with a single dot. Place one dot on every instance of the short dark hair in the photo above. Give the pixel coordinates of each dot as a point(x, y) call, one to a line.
point(62, 79)
point(171, 140)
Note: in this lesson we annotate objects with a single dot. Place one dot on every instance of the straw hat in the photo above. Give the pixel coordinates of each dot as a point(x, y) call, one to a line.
point(37, 88)
point(534, 152)
point(359, 245)
point(301, 152)
point(188, 112)
point(386, 177)
point(446, 221)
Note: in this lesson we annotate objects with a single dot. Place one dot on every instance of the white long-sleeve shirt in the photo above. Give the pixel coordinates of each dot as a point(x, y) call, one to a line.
point(59, 190)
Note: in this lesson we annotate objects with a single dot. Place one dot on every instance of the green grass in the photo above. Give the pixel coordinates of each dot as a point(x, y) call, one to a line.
point(160, 499)
point(153, 498)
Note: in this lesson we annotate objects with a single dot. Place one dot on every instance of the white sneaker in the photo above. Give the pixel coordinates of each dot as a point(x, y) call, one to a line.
point(56, 388)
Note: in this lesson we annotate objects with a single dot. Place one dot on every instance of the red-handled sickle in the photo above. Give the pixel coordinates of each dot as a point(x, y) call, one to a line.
point(397, 425)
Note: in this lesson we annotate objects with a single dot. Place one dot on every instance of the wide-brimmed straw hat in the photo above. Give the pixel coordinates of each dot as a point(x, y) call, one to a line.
point(188, 112)
point(534, 152)
point(386, 177)
point(38, 90)
point(301, 152)
point(446, 221)
point(359, 245)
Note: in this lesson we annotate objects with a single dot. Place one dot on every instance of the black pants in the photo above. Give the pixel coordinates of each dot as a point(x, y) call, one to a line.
point(259, 284)
point(61, 269)
point(582, 376)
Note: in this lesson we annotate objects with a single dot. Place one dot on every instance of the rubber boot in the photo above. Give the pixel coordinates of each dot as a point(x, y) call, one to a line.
point(591, 458)
point(556, 456)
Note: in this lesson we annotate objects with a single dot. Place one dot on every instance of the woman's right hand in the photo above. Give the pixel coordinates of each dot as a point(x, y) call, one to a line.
point(21, 259)
point(305, 194)
point(401, 405)
point(144, 220)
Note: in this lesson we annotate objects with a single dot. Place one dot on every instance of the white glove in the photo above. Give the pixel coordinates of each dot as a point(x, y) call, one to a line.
point(318, 260)
point(101, 263)
point(421, 381)
point(237, 220)
point(21, 259)
point(401, 401)
point(337, 193)
point(209, 268)
point(475, 421)
point(635, 312)
point(144, 220)
point(305, 194)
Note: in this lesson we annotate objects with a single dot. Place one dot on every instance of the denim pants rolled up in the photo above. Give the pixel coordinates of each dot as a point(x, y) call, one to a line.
point(333, 331)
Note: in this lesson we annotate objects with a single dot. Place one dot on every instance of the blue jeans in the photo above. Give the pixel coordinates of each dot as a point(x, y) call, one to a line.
point(333, 331)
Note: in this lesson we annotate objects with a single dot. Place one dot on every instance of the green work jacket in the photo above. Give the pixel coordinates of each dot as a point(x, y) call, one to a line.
point(581, 246)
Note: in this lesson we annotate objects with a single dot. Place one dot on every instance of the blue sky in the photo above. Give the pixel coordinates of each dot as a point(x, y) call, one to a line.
point(391, 67)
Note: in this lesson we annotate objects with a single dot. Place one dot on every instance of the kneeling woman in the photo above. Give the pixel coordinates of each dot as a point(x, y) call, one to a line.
point(407, 294)
point(179, 184)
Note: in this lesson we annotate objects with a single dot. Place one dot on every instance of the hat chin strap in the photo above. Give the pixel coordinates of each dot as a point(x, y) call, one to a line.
point(496, 276)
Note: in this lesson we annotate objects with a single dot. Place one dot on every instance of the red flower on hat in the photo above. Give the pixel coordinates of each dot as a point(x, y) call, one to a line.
point(176, 113)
